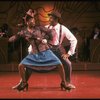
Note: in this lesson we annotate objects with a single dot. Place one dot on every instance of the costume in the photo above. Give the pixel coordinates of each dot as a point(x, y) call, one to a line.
point(65, 33)
point(40, 55)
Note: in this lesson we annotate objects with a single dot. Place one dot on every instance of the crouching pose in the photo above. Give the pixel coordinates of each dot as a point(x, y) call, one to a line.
point(40, 56)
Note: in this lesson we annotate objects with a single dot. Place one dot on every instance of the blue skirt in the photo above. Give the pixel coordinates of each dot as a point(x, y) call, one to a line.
point(42, 59)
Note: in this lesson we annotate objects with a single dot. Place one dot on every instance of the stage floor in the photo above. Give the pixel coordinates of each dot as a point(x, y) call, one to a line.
point(47, 85)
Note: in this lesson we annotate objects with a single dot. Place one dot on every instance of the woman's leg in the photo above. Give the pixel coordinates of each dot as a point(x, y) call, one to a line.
point(21, 69)
point(23, 82)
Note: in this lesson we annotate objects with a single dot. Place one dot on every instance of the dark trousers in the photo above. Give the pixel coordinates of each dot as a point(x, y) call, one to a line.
point(66, 63)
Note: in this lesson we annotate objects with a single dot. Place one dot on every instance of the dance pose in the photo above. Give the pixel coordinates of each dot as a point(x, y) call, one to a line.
point(40, 56)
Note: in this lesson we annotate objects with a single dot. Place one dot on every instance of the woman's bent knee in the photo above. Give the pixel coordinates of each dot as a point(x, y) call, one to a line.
point(20, 66)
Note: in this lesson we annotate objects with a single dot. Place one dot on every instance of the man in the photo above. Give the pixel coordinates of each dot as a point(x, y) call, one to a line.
point(60, 32)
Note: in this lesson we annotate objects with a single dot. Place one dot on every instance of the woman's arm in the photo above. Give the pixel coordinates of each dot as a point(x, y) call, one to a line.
point(15, 37)
point(12, 38)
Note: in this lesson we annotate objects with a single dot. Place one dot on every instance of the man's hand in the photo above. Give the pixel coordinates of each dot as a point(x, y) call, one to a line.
point(65, 56)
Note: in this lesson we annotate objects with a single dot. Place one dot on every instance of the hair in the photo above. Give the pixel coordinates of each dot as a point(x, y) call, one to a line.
point(56, 18)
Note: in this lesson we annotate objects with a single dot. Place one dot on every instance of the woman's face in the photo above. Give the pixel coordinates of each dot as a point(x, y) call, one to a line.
point(31, 22)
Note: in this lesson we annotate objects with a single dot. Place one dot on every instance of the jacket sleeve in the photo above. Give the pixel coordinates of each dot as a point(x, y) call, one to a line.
point(13, 38)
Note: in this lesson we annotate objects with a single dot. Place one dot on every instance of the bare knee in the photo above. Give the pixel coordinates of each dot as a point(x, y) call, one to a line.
point(20, 66)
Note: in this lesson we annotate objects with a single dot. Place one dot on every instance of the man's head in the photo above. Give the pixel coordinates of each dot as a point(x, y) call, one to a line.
point(54, 17)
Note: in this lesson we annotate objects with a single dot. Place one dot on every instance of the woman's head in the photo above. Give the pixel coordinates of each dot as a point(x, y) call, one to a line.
point(30, 17)
point(30, 21)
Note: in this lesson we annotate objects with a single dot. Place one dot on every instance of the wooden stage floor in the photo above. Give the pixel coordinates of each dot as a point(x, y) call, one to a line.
point(47, 85)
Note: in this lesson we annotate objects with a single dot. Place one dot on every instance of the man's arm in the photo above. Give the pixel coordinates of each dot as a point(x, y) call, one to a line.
point(72, 39)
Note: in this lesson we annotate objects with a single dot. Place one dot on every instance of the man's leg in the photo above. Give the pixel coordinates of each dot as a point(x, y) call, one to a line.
point(28, 73)
point(67, 67)
point(62, 75)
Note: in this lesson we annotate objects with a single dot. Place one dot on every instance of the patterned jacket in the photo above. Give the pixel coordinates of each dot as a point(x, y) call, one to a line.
point(39, 32)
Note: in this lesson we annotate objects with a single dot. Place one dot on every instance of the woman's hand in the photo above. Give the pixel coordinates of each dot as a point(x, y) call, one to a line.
point(12, 38)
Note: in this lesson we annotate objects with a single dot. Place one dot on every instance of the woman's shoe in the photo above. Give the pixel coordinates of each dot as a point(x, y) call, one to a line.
point(23, 86)
point(17, 86)
point(64, 86)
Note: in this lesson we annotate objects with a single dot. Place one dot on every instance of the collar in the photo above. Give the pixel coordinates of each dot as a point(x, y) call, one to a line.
point(56, 27)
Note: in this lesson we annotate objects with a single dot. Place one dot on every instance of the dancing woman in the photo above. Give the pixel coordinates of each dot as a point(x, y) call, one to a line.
point(41, 55)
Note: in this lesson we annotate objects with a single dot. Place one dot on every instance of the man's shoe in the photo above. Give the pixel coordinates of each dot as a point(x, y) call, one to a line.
point(71, 86)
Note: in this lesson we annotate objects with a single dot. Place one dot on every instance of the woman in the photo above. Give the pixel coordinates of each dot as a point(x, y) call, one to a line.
point(41, 55)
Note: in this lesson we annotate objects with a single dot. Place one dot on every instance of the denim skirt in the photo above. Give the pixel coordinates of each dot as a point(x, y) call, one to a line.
point(43, 60)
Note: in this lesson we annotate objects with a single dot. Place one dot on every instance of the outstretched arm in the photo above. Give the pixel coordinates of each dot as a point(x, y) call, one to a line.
point(12, 38)
point(15, 37)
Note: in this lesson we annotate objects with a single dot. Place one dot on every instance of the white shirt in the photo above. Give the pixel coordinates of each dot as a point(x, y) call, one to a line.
point(65, 33)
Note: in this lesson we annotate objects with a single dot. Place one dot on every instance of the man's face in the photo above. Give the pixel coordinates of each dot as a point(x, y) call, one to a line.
point(51, 20)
